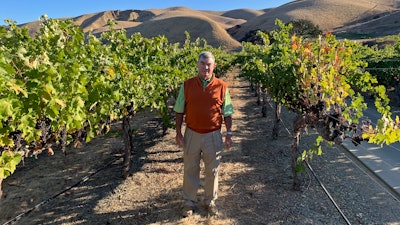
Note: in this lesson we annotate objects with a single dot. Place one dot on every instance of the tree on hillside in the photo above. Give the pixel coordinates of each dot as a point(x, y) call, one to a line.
point(305, 28)
point(253, 37)
point(300, 27)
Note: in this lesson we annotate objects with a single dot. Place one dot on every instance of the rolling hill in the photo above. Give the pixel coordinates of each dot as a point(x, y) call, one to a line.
point(371, 18)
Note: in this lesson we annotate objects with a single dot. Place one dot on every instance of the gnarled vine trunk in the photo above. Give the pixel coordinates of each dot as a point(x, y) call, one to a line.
point(297, 180)
point(257, 93)
point(263, 93)
point(299, 125)
point(1, 187)
point(277, 119)
point(127, 136)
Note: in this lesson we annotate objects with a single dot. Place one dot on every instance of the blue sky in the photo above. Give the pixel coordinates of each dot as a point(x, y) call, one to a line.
point(23, 11)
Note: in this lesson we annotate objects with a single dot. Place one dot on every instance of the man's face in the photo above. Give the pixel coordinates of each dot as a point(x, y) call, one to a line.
point(206, 67)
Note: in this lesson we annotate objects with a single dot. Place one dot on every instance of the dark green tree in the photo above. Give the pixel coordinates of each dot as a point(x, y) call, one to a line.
point(305, 28)
point(301, 27)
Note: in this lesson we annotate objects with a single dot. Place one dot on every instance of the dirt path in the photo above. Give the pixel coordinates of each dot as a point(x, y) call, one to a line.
point(255, 180)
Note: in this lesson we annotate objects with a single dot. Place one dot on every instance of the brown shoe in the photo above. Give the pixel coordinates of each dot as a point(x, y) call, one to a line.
point(212, 210)
point(187, 211)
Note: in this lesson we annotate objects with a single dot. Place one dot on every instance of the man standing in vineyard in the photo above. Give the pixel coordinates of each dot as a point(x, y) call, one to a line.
point(206, 104)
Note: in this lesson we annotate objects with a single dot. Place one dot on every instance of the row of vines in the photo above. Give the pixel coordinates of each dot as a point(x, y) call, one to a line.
point(63, 86)
point(323, 80)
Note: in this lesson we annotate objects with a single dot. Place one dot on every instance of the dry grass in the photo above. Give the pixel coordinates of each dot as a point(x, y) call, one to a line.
point(327, 14)
point(387, 24)
point(378, 17)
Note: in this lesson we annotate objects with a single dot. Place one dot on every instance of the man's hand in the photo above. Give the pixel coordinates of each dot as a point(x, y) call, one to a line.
point(178, 125)
point(228, 141)
point(179, 139)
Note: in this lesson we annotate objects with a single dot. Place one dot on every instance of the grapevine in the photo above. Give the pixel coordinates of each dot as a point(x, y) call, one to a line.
point(321, 80)
point(64, 87)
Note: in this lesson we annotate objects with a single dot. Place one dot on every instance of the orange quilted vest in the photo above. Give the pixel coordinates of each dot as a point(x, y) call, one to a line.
point(203, 105)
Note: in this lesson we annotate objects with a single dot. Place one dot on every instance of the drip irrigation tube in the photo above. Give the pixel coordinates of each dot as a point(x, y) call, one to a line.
point(319, 181)
point(83, 180)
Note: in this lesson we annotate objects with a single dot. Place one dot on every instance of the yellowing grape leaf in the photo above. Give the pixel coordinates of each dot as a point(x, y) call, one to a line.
point(17, 89)
point(60, 102)
point(5, 108)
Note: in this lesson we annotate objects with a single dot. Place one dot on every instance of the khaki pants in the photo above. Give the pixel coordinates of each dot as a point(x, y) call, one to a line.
point(196, 147)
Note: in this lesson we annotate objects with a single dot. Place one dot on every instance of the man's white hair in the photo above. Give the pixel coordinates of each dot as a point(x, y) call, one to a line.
point(206, 55)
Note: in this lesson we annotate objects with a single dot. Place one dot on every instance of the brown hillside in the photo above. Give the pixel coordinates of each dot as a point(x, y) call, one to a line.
point(377, 17)
point(173, 12)
point(327, 14)
point(198, 27)
point(172, 23)
point(380, 25)
point(245, 14)
point(95, 21)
